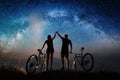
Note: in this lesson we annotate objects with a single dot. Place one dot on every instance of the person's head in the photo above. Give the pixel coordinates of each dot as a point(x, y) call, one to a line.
point(66, 35)
point(49, 36)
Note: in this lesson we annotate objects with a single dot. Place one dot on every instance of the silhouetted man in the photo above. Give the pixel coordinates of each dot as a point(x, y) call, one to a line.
point(50, 50)
point(65, 50)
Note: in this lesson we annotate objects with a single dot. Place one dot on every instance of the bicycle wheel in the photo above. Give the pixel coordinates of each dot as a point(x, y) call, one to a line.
point(31, 64)
point(87, 62)
point(75, 66)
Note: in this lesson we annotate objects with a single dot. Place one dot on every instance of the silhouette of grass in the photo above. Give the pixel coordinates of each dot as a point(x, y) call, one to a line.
point(13, 73)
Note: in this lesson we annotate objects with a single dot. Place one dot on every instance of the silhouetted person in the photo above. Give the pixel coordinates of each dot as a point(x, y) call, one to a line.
point(65, 50)
point(50, 50)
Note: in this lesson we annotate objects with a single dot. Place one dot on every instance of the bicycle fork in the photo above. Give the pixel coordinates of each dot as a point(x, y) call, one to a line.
point(74, 65)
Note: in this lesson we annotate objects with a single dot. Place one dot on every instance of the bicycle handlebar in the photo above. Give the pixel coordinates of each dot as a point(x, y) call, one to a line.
point(40, 51)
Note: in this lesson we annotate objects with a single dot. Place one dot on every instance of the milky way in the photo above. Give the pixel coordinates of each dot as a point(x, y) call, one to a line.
point(25, 25)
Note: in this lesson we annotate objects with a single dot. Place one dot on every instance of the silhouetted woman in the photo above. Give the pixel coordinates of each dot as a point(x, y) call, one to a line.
point(50, 50)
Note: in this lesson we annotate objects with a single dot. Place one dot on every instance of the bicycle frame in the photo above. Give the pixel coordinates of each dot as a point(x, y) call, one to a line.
point(78, 55)
point(77, 59)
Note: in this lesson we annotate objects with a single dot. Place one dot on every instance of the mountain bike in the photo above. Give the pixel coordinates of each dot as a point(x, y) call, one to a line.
point(36, 63)
point(84, 60)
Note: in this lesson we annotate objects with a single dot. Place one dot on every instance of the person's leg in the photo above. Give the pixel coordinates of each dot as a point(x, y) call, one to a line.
point(48, 60)
point(51, 61)
point(67, 61)
point(62, 60)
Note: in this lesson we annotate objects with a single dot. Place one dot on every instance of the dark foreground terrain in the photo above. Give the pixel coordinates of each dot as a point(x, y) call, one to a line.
point(14, 74)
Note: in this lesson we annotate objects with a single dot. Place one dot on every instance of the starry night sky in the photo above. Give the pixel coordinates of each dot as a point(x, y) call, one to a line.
point(94, 24)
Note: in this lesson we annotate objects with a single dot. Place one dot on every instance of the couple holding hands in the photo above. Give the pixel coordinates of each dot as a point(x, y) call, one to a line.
point(64, 50)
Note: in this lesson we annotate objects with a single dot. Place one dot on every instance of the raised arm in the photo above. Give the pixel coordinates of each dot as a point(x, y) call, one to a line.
point(59, 35)
point(54, 36)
